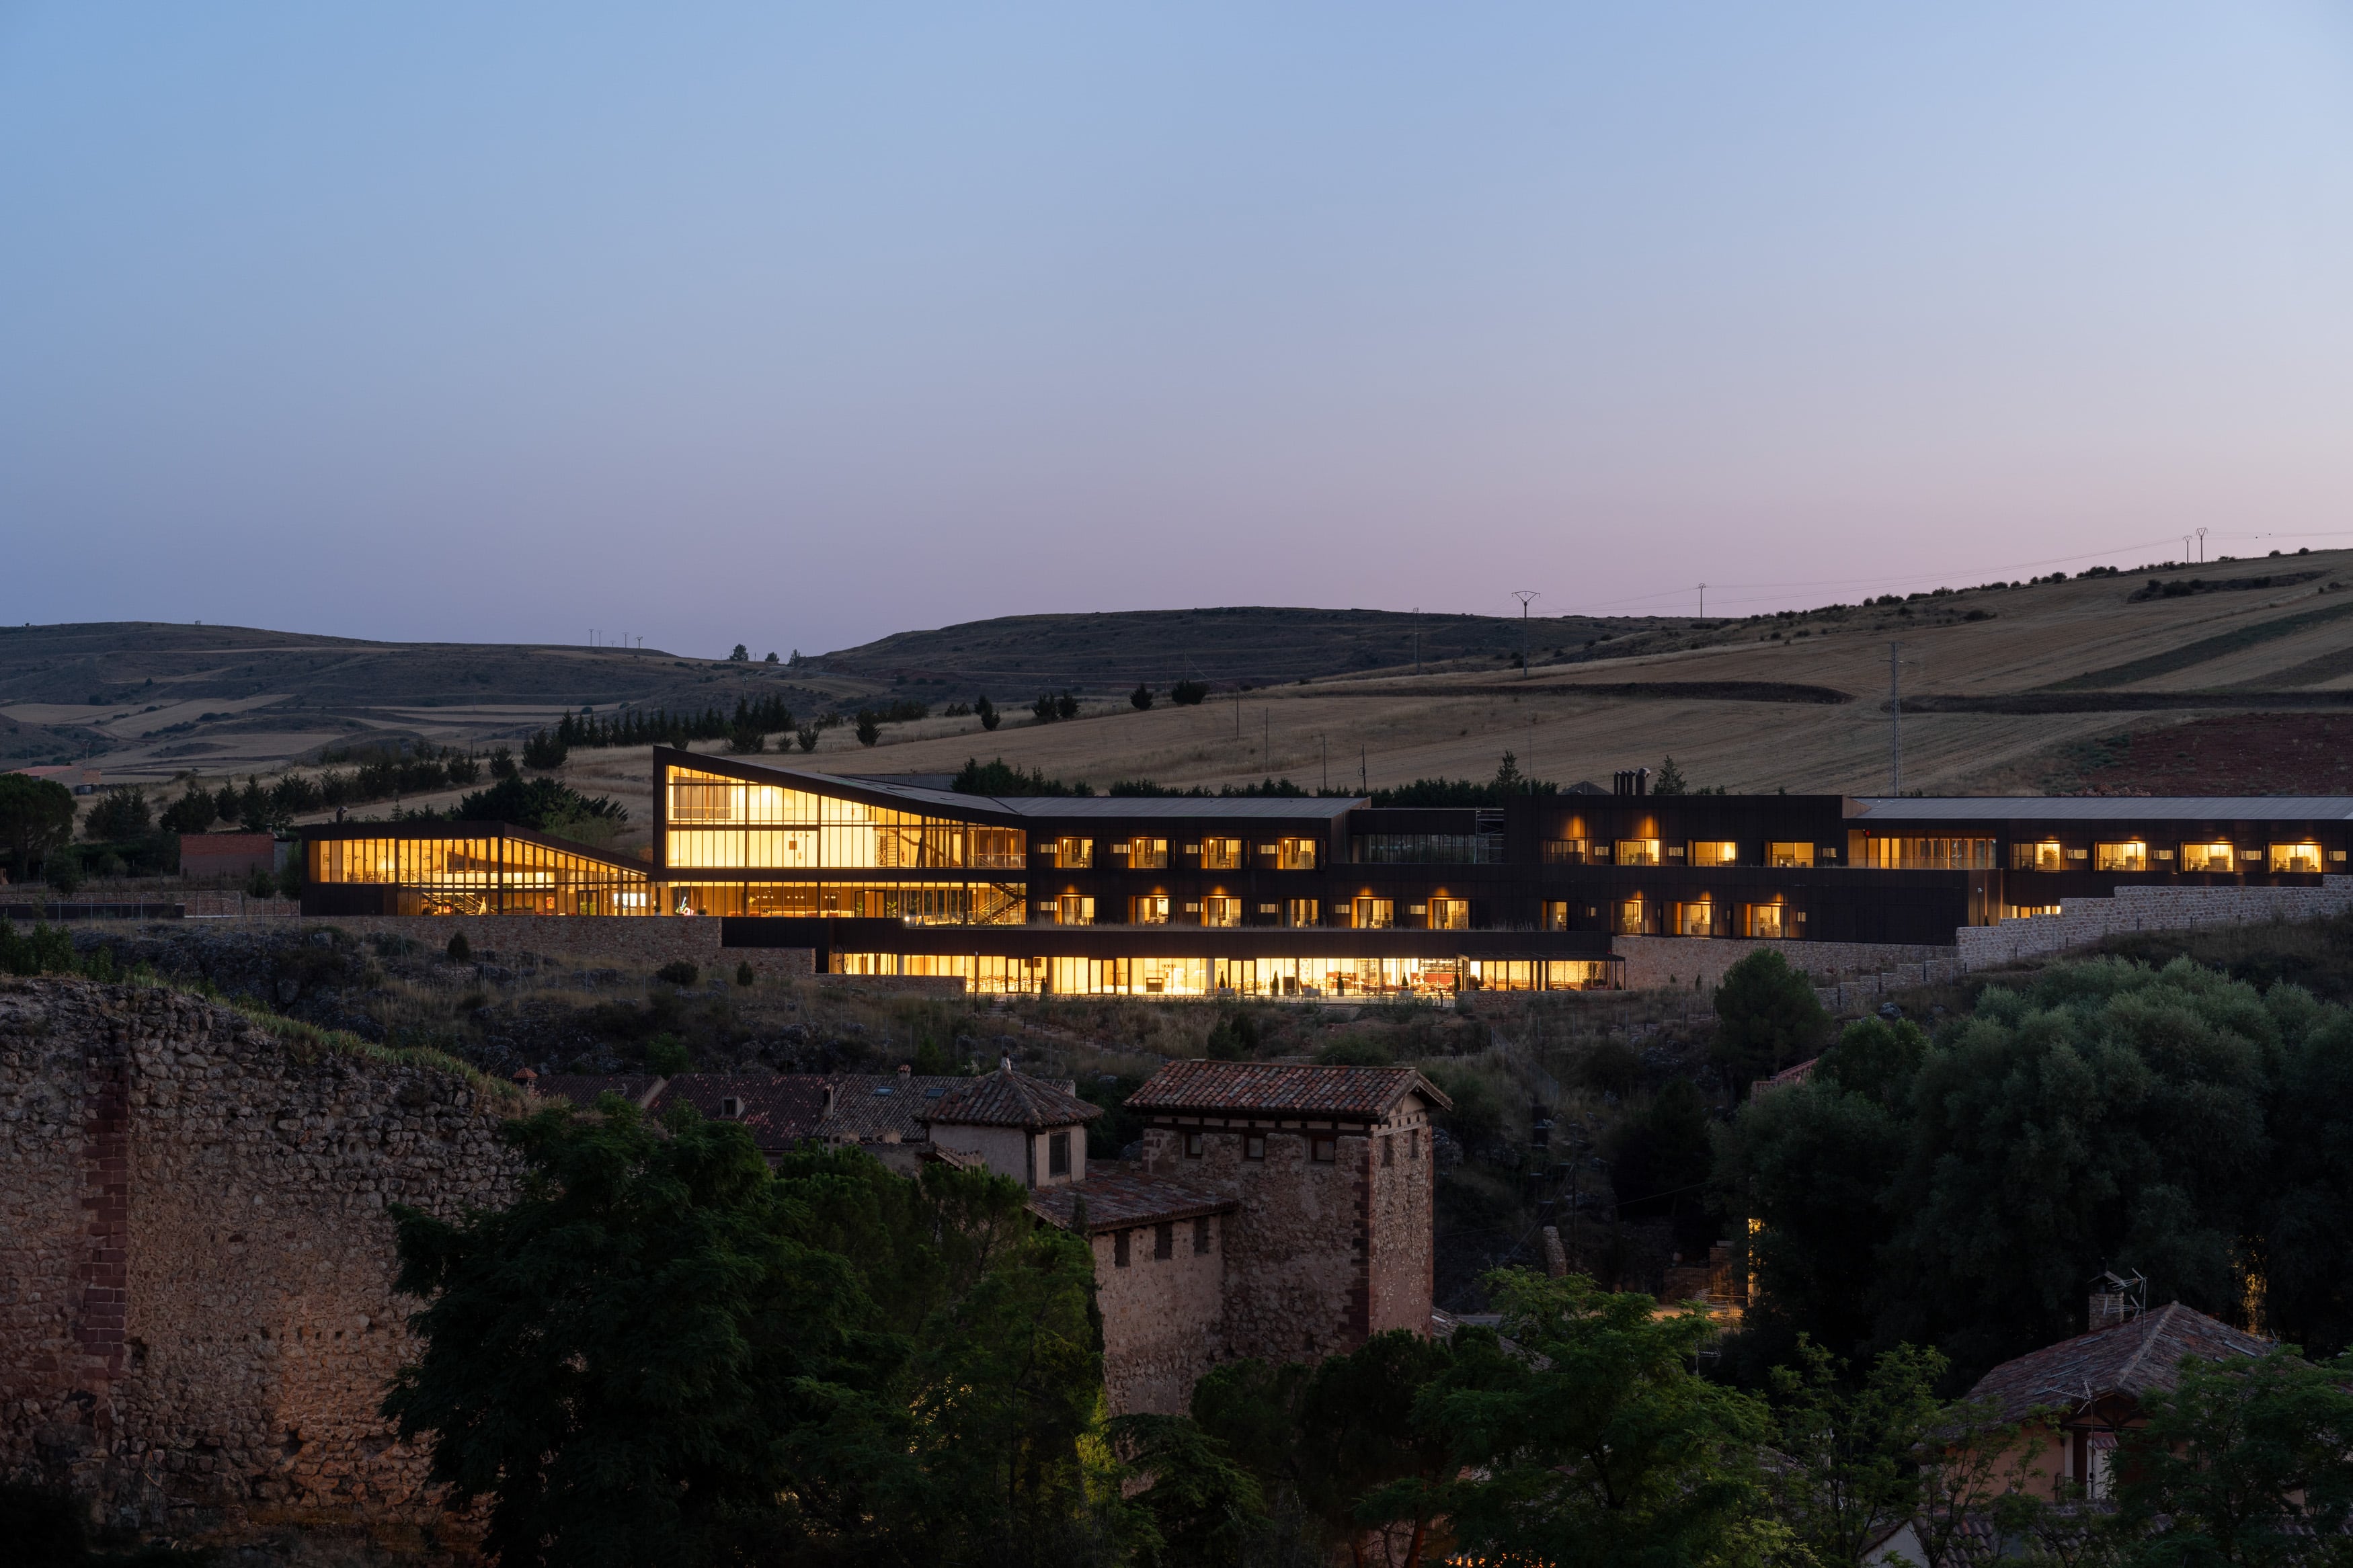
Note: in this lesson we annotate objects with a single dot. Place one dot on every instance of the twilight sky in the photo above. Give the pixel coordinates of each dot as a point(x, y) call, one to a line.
point(797, 325)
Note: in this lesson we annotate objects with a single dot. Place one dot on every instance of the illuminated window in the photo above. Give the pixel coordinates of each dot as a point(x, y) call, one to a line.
point(1631, 918)
point(1637, 851)
point(1374, 914)
point(1148, 909)
point(1555, 917)
point(1696, 919)
point(1715, 852)
point(1928, 854)
point(1761, 920)
point(1221, 854)
point(1291, 854)
point(1216, 911)
point(2296, 859)
point(2215, 857)
point(1302, 911)
point(1143, 854)
point(1070, 854)
point(1450, 914)
point(2046, 856)
point(2132, 856)
point(2028, 912)
point(997, 849)
point(1789, 854)
point(1564, 851)
point(1074, 909)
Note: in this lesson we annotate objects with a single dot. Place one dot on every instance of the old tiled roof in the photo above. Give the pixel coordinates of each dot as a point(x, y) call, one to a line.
point(2132, 1357)
point(780, 1110)
point(871, 1107)
point(581, 1088)
point(1119, 1197)
point(1009, 1099)
point(1270, 1087)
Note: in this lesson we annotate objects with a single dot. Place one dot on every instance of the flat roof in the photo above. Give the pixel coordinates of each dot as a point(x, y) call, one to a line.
point(2106, 808)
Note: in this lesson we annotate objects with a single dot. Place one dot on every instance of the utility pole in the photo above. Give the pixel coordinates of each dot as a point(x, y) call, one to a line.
point(1417, 639)
point(1326, 745)
point(2202, 547)
point(1364, 771)
point(1894, 720)
point(1702, 601)
point(1523, 596)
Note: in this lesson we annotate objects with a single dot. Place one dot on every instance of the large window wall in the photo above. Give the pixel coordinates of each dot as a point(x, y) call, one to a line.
point(917, 903)
point(1302, 979)
point(722, 824)
point(486, 875)
point(1927, 853)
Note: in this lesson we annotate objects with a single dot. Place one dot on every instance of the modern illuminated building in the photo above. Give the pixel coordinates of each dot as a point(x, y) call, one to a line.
point(1272, 896)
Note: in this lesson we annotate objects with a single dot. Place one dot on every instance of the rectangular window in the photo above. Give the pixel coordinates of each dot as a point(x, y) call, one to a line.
point(998, 849)
point(2216, 857)
point(1413, 1144)
point(1058, 1154)
point(1074, 909)
point(1302, 911)
point(1631, 918)
point(2132, 856)
point(1564, 851)
point(1221, 854)
point(1192, 1145)
point(1715, 852)
point(1637, 851)
point(1388, 1151)
point(2048, 855)
point(1788, 855)
point(1143, 854)
point(1119, 1250)
point(1696, 919)
point(1427, 848)
point(1556, 917)
point(1219, 910)
point(1071, 854)
point(2296, 859)
point(1450, 914)
point(1762, 920)
point(1164, 1239)
point(1927, 853)
point(1321, 1148)
point(1148, 909)
point(1292, 854)
point(1201, 1236)
point(1253, 1146)
point(1374, 914)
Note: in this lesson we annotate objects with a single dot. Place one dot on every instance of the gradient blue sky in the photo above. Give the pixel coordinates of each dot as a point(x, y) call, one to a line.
point(799, 325)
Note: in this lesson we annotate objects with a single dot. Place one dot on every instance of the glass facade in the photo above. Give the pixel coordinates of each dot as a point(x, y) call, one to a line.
point(2214, 856)
point(1291, 854)
point(482, 876)
point(2296, 859)
point(1789, 855)
point(1637, 851)
point(1715, 852)
point(1221, 854)
point(2129, 855)
point(1426, 850)
point(1928, 854)
point(1271, 977)
point(918, 903)
point(720, 823)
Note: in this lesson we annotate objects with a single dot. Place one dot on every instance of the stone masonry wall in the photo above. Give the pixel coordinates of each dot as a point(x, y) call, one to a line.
point(2147, 909)
point(1400, 1264)
point(1653, 962)
point(646, 942)
point(1161, 1316)
point(1295, 1254)
point(197, 1313)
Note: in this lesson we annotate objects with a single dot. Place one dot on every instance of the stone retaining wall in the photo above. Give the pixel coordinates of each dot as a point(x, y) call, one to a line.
point(633, 941)
point(1656, 962)
point(197, 1313)
point(2086, 921)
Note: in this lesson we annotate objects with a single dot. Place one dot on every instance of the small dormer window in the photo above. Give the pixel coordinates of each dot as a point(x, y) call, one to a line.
point(731, 1107)
point(934, 1093)
point(881, 1089)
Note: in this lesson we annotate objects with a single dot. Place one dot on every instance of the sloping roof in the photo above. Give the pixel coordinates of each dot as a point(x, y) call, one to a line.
point(874, 1107)
point(1308, 807)
point(1271, 1087)
point(1009, 1099)
point(2132, 1357)
point(1119, 1197)
point(581, 1088)
point(779, 1109)
point(2105, 808)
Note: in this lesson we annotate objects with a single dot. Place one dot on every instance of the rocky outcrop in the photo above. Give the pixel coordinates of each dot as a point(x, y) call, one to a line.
point(197, 1318)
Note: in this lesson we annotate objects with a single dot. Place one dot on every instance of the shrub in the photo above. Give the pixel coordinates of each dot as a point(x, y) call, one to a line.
point(503, 764)
point(459, 950)
point(744, 740)
point(741, 655)
point(64, 869)
point(743, 975)
point(807, 735)
point(543, 752)
point(1066, 706)
point(666, 1055)
point(191, 813)
point(37, 816)
point(870, 729)
point(1188, 693)
point(680, 972)
point(1044, 707)
point(121, 813)
point(989, 716)
point(261, 885)
point(1140, 697)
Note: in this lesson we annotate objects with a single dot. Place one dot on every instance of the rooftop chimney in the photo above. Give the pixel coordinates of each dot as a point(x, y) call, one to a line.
point(906, 1071)
point(1632, 781)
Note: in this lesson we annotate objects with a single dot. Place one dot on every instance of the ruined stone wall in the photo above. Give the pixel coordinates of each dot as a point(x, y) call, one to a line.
point(1400, 1211)
point(1161, 1316)
point(197, 1313)
point(1294, 1286)
point(633, 941)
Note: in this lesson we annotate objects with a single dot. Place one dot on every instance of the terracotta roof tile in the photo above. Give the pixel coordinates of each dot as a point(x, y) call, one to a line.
point(1009, 1099)
point(581, 1088)
point(2132, 1357)
point(1271, 1087)
point(779, 1109)
point(872, 1107)
point(1121, 1197)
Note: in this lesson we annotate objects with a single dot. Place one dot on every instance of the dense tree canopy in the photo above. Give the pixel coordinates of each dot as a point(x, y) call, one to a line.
point(1962, 1191)
point(37, 816)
